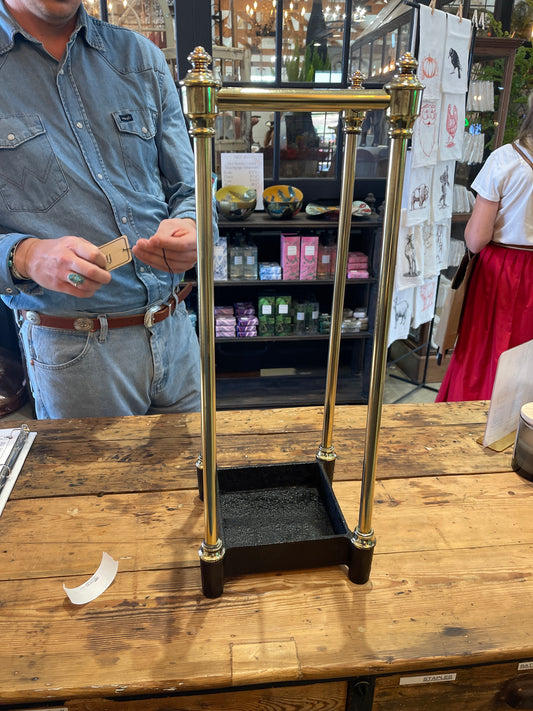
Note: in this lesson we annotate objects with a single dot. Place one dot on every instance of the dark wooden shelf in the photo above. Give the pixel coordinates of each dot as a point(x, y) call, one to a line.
point(261, 220)
point(285, 391)
point(293, 337)
point(284, 283)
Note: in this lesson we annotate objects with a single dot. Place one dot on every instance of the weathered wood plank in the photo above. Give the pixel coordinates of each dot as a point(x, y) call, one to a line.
point(154, 631)
point(120, 455)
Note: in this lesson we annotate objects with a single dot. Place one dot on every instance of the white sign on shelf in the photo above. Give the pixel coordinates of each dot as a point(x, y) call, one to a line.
point(244, 169)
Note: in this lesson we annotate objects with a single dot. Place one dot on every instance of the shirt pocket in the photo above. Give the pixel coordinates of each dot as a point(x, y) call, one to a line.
point(137, 130)
point(31, 178)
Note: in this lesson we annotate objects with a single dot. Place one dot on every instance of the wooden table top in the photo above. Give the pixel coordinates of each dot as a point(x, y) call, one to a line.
point(451, 581)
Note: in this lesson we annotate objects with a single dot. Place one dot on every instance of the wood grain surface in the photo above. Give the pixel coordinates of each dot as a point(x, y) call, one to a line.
point(450, 583)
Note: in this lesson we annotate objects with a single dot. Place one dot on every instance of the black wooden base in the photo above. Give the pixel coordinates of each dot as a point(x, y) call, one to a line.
point(282, 517)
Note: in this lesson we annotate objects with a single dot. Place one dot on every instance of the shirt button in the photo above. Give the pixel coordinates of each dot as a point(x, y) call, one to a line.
point(123, 220)
point(10, 136)
point(99, 176)
point(141, 269)
point(144, 129)
point(79, 124)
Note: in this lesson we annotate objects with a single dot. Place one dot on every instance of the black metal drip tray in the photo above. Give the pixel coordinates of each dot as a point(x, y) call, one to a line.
point(279, 516)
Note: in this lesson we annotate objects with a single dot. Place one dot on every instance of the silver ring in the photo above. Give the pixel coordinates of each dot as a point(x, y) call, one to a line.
point(75, 279)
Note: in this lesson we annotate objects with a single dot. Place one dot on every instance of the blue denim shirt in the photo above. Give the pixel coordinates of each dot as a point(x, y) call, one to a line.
point(95, 146)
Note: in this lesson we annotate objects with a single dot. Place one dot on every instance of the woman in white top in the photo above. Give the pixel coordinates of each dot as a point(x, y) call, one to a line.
point(498, 310)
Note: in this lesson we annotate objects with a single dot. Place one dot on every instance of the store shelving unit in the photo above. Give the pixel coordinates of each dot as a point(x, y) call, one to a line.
point(284, 371)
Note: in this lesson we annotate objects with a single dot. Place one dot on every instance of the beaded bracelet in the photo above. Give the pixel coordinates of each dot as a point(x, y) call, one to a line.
point(17, 276)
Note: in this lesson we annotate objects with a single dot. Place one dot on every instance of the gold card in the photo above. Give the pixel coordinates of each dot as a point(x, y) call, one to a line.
point(116, 253)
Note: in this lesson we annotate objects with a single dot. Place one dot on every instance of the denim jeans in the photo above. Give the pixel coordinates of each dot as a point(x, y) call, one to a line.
point(114, 372)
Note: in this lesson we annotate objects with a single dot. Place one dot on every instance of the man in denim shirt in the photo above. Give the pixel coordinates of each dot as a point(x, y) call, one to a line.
point(93, 145)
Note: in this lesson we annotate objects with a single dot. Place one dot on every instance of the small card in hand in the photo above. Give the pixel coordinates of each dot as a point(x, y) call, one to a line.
point(116, 253)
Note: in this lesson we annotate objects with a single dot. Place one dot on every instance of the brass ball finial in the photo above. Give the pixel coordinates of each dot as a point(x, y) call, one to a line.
point(199, 59)
point(407, 63)
point(357, 79)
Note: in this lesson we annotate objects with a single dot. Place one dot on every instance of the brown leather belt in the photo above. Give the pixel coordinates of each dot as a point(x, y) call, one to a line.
point(155, 314)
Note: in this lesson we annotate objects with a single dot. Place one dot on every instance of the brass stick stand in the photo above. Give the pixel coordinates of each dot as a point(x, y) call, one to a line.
point(295, 542)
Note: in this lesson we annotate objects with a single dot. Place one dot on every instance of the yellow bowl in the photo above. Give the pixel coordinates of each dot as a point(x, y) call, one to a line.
point(282, 201)
point(236, 202)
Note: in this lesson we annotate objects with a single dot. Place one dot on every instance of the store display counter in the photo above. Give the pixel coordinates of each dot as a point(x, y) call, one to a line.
point(444, 623)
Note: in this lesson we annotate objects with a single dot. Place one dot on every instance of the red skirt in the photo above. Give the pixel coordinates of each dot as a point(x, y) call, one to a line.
point(497, 315)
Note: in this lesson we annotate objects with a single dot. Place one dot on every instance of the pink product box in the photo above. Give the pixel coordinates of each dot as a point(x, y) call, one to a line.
point(290, 256)
point(308, 257)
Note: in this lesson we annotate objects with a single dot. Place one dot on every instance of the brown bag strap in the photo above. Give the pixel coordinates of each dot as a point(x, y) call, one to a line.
point(524, 156)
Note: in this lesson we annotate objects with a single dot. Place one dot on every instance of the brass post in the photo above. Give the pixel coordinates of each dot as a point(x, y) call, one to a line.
point(405, 98)
point(352, 122)
point(201, 109)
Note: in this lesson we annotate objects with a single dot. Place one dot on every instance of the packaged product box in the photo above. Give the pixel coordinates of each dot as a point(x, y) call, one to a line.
point(220, 259)
point(266, 306)
point(290, 255)
point(266, 326)
point(308, 257)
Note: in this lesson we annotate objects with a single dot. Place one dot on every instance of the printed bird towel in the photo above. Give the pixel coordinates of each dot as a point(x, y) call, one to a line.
point(431, 50)
point(452, 127)
point(456, 54)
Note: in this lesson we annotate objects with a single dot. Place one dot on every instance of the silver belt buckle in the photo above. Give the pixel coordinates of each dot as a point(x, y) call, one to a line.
point(150, 314)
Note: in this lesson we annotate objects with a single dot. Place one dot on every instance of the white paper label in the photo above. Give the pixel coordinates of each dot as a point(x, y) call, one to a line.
point(309, 250)
point(300, 316)
point(292, 250)
point(283, 309)
point(428, 679)
point(525, 665)
point(266, 309)
point(97, 583)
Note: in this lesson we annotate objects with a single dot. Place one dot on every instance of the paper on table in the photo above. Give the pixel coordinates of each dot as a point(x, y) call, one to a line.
point(513, 387)
point(5, 436)
point(97, 583)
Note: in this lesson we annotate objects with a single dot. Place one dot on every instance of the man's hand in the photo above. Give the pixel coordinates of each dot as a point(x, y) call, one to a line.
point(48, 262)
point(178, 238)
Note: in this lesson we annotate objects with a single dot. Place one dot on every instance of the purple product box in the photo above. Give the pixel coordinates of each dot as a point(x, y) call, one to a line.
point(290, 255)
point(308, 257)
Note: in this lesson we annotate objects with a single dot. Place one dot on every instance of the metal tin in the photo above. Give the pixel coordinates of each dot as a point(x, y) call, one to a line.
point(522, 461)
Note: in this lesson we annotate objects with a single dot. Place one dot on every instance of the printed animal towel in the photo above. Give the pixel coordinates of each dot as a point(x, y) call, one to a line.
point(456, 52)
point(442, 190)
point(410, 256)
point(431, 50)
point(419, 195)
point(401, 312)
point(452, 127)
point(424, 302)
point(425, 142)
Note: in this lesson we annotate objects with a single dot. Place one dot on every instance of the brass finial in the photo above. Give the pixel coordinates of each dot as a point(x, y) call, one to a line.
point(357, 79)
point(199, 59)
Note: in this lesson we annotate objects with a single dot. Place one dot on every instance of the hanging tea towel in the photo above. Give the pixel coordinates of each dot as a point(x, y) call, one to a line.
point(442, 190)
point(424, 302)
point(401, 312)
point(418, 201)
point(431, 50)
point(452, 127)
point(409, 257)
point(456, 54)
point(425, 141)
